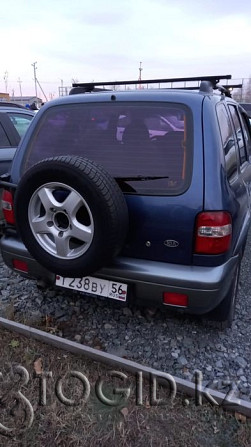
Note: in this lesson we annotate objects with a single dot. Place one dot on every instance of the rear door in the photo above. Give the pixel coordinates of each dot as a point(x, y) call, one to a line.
point(153, 149)
point(242, 134)
point(13, 125)
point(8, 139)
point(243, 139)
point(238, 169)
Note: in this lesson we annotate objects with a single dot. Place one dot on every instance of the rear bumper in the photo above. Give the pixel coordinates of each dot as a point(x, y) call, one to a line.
point(147, 280)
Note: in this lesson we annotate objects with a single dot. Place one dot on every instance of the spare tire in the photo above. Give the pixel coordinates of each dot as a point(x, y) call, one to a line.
point(71, 215)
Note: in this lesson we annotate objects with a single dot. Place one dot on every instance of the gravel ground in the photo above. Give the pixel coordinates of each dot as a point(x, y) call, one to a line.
point(169, 342)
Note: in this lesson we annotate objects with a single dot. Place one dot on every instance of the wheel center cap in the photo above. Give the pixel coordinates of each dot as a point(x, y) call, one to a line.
point(61, 220)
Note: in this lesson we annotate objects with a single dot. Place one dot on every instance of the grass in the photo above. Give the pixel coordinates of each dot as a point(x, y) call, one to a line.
point(50, 386)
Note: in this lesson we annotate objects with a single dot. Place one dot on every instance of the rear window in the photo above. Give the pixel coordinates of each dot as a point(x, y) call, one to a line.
point(147, 148)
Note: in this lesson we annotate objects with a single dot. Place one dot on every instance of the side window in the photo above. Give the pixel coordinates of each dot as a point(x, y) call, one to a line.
point(228, 141)
point(21, 122)
point(246, 133)
point(239, 133)
point(4, 142)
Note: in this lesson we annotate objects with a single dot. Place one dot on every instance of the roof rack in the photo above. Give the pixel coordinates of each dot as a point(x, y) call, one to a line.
point(224, 90)
point(226, 86)
point(207, 87)
point(84, 87)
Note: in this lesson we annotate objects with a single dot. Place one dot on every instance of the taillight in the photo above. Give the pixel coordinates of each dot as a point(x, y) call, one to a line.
point(213, 232)
point(8, 208)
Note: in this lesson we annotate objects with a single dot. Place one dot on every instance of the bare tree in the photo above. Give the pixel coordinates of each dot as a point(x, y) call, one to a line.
point(247, 91)
point(243, 94)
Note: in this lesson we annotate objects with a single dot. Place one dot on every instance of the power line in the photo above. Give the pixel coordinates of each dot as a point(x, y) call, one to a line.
point(42, 90)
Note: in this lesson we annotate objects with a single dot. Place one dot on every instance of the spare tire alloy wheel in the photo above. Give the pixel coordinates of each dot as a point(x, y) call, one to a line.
point(53, 217)
point(71, 215)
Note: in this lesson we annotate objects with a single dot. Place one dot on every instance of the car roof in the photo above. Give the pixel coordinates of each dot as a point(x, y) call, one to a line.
point(16, 109)
point(139, 91)
point(11, 104)
point(165, 95)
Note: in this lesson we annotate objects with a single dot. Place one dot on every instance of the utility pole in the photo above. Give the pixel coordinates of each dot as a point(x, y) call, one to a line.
point(20, 87)
point(6, 74)
point(140, 70)
point(37, 82)
point(35, 77)
point(61, 88)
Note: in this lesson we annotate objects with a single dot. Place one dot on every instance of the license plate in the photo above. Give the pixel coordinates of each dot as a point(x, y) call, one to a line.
point(94, 286)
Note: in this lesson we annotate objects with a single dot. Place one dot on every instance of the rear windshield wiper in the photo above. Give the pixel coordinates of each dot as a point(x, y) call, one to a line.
point(122, 181)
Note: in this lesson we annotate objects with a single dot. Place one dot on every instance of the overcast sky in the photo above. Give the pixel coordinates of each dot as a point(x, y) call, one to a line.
point(107, 39)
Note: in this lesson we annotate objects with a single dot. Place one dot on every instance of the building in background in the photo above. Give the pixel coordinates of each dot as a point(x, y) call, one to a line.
point(27, 100)
point(4, 97)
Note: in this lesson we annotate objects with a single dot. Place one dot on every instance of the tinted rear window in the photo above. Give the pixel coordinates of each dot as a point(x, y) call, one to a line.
point(147, 148)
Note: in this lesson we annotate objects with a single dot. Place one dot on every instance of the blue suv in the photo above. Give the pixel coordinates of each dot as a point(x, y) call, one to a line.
point(139, 195)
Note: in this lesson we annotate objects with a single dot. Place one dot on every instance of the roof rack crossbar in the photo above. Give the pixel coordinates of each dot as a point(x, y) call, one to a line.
point(214, 80)
point(226, 86)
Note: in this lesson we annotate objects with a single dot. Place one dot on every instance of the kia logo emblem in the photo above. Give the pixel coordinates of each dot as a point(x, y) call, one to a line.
point(171, 243)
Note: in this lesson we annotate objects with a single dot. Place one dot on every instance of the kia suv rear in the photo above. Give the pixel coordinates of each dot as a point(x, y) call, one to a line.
point(140, 195)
